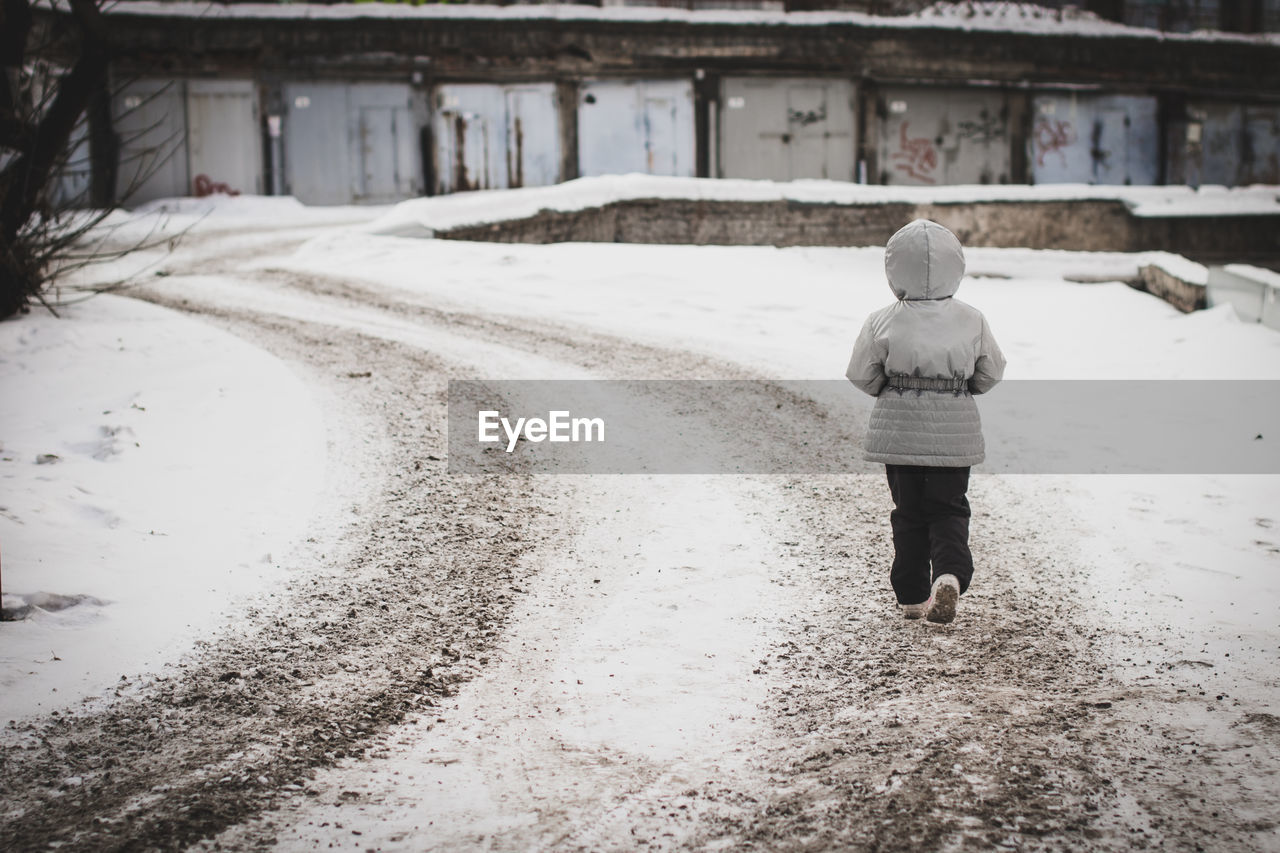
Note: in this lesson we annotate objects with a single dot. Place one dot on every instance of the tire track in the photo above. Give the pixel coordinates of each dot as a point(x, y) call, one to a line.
point(881, 735)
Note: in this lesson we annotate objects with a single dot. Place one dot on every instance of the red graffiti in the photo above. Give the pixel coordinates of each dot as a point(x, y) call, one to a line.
point(205, 185)
point(1053, 135)
point(919, 156)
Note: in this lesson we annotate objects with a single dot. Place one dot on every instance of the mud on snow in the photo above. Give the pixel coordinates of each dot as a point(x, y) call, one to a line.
point(1011, 729)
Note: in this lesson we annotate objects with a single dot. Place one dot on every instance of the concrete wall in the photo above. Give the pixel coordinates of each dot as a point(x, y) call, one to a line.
point(1099, 226)
point(1183, 295)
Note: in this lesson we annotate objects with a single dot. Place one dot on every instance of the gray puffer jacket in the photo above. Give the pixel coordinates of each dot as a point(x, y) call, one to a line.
point(926, 339)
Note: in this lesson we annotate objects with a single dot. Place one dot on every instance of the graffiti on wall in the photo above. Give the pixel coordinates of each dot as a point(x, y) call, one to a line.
point(804, 118)
point(916, 156)
point(986, 130)
point(205, 185)
point(1051, 137)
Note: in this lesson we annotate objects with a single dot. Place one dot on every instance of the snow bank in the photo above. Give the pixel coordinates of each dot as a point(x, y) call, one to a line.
point(220, 212)
point(421, 217)
point(151, 464)
point(981, 17)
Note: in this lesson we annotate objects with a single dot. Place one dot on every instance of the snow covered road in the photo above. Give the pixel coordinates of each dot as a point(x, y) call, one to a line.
point(596, 663)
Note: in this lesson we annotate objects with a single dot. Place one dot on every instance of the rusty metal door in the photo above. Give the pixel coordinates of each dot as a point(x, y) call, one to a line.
point(943, 136)
point(636, 126)
point(466, 145)
point(787, 128)
point(224, 142)
point(533, 135)
point(150, 120)
point(488, 136)
point(1094, 139)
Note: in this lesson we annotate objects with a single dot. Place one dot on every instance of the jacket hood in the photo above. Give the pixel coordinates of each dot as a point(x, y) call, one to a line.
point(924, 260)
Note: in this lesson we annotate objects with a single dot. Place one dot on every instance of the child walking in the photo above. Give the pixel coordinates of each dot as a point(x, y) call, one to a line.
point(923, 358)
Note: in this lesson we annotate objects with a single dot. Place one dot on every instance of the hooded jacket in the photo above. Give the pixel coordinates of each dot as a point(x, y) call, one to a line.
point(926, 333)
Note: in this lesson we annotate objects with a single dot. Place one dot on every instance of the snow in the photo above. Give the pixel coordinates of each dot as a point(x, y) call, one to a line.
point(1198, 552)
point(1263, 276)
point(1130, 528)
point(223, 212)
point(979, 17)
point(423, 216)
point(185, 462)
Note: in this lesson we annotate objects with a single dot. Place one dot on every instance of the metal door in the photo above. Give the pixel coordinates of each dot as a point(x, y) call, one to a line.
point(636, 126)
point(487, 136)
point(941, 136)
point(1204, 145)
point(224, 141)
point(383, 164)
point(532, 135)
point(348, 143)
point(1260, 148)
point(377, 150)
point(787, 128)
point(1094, 139)
point(1109, 147)
point(659, 129)
point(149, 117)
point(316, 143)
point(466, 147)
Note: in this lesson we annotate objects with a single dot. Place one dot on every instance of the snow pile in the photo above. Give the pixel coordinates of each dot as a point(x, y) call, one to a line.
point(153, 467)
point(422, 217)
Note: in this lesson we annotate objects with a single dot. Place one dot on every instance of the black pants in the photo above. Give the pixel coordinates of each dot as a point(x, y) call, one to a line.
point(930, 528)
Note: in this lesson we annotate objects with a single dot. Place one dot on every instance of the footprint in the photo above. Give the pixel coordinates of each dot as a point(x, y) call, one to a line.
point(112, 440)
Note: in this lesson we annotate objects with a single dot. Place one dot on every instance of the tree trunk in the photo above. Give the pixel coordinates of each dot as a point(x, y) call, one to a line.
point(25, 177)
point(104, 148)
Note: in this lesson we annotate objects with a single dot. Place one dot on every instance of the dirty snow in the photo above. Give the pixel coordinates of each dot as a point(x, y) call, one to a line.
point(1178, 573)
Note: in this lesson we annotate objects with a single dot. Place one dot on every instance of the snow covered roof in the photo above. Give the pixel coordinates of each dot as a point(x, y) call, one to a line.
point(1011, 17)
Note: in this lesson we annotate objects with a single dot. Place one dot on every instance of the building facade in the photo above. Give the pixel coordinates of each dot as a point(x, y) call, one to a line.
point(368, 103)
